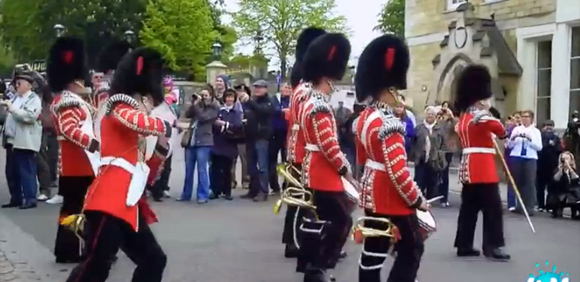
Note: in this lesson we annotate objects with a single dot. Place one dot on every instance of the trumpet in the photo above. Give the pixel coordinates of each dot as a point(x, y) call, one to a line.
point(295, 195)
point(76, 224)
point(359, 231)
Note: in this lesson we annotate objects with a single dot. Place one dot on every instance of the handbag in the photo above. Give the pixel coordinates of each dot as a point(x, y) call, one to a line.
point(186, 138)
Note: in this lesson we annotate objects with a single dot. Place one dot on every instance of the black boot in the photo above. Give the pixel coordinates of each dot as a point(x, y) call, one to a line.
point(316, 275)
point(468, 252)
point(291, 251)
point(497, 254)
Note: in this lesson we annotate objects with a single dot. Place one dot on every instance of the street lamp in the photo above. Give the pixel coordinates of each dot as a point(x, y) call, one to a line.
point(217, 49)
point(258, 40)
point(129, 36)
point(59, 30)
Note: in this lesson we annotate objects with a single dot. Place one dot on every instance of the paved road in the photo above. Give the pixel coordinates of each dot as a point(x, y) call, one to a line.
point(240, 241)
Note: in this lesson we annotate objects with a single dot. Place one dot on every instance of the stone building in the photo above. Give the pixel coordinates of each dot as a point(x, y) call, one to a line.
point(532, 48)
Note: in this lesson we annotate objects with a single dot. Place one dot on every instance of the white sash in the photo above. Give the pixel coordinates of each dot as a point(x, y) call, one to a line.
point(139, 174)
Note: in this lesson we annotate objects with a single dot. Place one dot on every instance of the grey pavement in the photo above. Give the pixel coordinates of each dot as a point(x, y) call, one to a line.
point(240, 240)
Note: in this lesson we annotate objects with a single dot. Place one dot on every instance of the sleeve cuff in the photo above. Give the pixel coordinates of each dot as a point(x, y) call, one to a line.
point(93, 146)
point(417, 203)
point(168, 129)
point(343, 171)
point(161, 150)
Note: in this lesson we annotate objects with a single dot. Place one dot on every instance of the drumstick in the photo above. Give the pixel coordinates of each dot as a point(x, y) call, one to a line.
point(434, 199)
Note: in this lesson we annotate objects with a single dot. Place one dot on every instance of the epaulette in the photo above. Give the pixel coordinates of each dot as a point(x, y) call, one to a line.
point(67, 100)
point(354, 126)
point(482, 116)
point(391, 124)
point(320, 106)
point(120, 98)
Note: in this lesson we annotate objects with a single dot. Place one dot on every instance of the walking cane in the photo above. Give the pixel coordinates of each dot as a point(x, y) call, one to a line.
point(513, 183)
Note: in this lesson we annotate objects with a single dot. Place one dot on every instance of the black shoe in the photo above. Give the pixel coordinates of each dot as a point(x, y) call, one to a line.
point(158, 199)
point(342, 255)
point(291, 251)
point(468, 252)
point(247, 196)
point(318, 275)
point(28, 206)
point(496, 254)
point(213, 196)
point(262, 198)
point(10, 205)
point(229, 197)
point(66, 261)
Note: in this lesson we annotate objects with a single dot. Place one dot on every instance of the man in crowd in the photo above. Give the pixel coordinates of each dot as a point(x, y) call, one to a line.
point(547, 161)
point(277, 143)
point(258, 114)
point(23, 133)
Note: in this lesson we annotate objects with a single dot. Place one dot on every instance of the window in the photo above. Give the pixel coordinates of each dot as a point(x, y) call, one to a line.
point(544, 79)
point(453, 4)
point(575, 71)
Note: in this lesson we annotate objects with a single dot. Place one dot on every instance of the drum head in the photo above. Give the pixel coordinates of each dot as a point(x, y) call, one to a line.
point(427, 218)
point(349, 189)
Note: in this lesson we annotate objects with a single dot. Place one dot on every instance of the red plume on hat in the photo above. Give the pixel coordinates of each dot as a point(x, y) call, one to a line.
point(110, 56)
point(327, 56)
point(382, 64)
point(473, 85)
point(66, 63)
point(140, 72)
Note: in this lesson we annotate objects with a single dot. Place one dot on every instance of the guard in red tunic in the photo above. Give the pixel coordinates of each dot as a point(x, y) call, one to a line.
point(116, 214)
point(477, 172)
point(323, 166)
point(388, 190)
point(66, 73)
point(295, 140)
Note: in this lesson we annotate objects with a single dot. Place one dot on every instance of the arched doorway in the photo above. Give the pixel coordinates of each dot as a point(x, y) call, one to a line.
point(448, 79)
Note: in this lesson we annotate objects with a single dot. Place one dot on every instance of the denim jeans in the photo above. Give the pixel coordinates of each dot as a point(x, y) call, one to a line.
point(258, 167)
point(23, 176)
point(511, 196)
point(197, 155)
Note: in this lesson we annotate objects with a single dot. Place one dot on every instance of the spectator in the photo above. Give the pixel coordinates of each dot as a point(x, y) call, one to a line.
point(242, 90)
point(450, 146)
point(525, 142)
point(408, 112)
point(401, 113)
point(565, 189)
point(222, 83)
point(277, 143)
point(46, 168)
point(258, 114)
point(226, 132)
point(510, 124)
point(429, 158)
point(347, 139)
point(23, 132)
point(547, 162)
point(203, 113)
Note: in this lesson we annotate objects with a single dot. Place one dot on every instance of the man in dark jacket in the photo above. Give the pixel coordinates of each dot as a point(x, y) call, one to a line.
point(258, 113)
point(277, 144)
point(547, 161)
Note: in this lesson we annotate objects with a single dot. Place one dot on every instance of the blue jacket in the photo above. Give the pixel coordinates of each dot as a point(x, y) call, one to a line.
point(225, 141)
point(279, 122)
point(409, 132)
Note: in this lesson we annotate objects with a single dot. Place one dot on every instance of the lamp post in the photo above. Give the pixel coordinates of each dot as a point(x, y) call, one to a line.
point(217, 50)
point(129, 36)
point(59, 30)
point(258, 41)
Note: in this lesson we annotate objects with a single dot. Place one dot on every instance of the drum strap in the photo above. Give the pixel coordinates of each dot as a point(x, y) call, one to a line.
point(368, 121)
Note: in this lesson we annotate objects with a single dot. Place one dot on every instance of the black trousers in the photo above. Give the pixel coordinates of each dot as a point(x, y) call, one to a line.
point(276, 145)
point(409, 250)
point(67, 246)
point(107, 234)
point(162, 184)
point(43, 169)
point(322, 239)
point(542, 183)
point(221, 175)
point(476, 198)
point(293, 217)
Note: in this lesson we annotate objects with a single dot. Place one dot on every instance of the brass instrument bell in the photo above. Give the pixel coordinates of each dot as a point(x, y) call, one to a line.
point(294, 195)
point(359, 231)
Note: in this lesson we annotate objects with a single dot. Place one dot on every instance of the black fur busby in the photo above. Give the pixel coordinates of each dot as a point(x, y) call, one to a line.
point(140, 72)
point(382, 64)
point(473, 84)
point(295, 75)
point(66, 63)
point(327, 56)
point(110, 56)
point(306, 37)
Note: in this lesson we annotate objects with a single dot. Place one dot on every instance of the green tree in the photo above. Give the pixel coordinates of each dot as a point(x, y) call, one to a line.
point(280, 22)
point(182, 30)
point(7, 60)
point(245, 61)
point(392, 18)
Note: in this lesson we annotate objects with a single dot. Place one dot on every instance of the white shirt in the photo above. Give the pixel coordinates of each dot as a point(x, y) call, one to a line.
point(521, 147)
point(16, 104)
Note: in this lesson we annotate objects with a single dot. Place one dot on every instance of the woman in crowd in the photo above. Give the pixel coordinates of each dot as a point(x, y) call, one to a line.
point(447, 122)
point(511, 122)
point(203, 113)
point(429, 156)
point(565, 189)
point(226, 132)
point(241, 89)
point(401, 113)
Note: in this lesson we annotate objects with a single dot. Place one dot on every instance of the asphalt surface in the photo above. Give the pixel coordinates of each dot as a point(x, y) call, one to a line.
point(240, 240)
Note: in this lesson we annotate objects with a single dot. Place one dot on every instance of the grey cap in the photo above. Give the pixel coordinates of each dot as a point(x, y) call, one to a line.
point(260, 83)
point(548, 122)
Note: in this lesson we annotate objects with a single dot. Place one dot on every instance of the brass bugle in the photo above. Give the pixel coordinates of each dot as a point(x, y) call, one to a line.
point(295, 195)
point(373, 232)
point(284, 171)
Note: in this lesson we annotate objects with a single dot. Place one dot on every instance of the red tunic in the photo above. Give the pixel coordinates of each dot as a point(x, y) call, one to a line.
point(100, 97)
point(324, 162)
point(69, 114)
point(475, 130)
point(123, 137)
point(387, 185)
point(296, 143)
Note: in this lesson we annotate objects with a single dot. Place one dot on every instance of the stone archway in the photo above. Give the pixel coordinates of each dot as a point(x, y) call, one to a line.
point(447, 79)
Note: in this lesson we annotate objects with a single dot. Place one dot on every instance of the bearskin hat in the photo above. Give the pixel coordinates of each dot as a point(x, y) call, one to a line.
point(306, 37)
point(295, 75)
point(66, 63)
point(473, 84)
point(110, 56)
point(140, 71)
point(327, 56)
point(382, 64)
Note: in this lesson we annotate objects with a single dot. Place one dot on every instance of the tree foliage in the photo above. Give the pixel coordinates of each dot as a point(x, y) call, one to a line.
point(245, 61)
point(392, 18)
point(281, 21)
point(182, 30)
